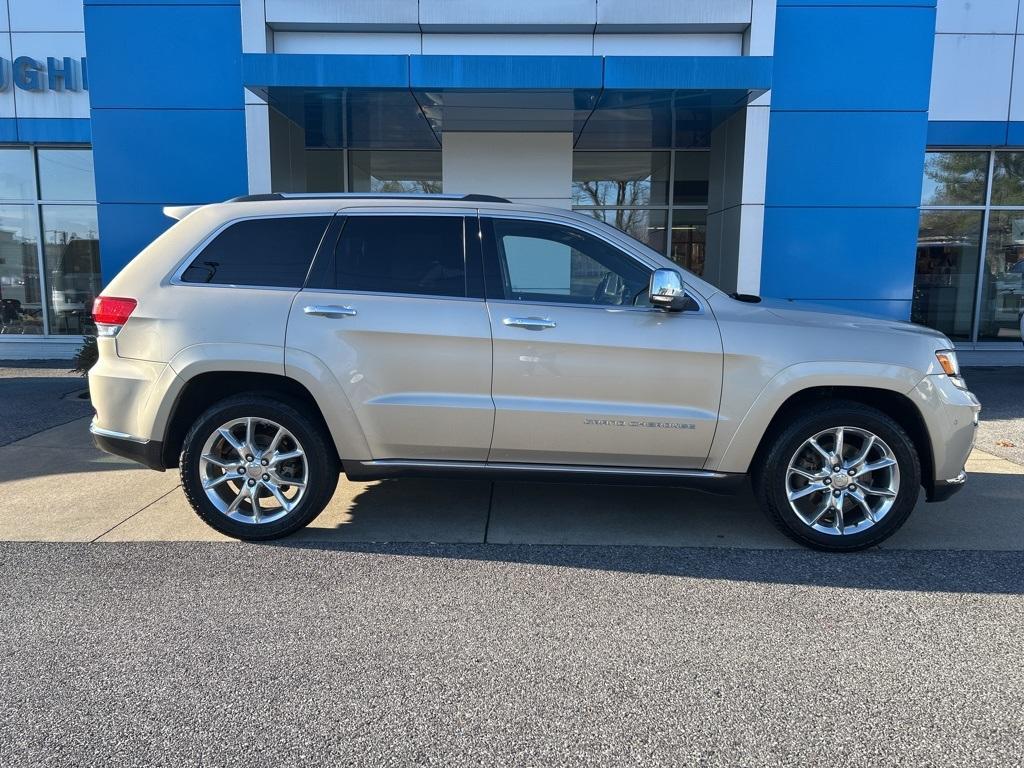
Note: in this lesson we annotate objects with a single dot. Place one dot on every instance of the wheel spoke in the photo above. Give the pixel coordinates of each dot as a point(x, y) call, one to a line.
point(861, 457)
point(231, 440)
point(821, 512)
point(875, 466)
point(250, 444)
point(807, 490)
point(804, 473)
point(285, 504)
point(218, 462)
point(213, 482)
point(272, 448)
point(862, 500)
point(824, 454)
point(243, 493)
point(889, 494)
point(287, 456)
point(838, 449)
point(840, 523)
point(279, 479)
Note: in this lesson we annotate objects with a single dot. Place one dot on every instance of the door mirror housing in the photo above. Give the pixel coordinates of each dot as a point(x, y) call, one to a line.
point(667, 290)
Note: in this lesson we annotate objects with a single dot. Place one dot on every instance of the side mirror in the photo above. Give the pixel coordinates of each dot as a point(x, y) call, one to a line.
point(667, 290)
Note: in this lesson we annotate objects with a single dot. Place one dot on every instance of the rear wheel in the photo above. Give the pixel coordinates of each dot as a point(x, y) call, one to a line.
point(843, 478)
point(256, 468)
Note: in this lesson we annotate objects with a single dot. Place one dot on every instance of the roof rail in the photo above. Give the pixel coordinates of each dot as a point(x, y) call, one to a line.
point(472, 198)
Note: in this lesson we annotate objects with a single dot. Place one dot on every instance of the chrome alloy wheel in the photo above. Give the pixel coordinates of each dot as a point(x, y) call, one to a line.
point(253, 470)
point(842, 481)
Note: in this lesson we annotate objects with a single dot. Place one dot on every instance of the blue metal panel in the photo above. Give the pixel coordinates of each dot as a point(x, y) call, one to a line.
point(890, 310)
point(261, 70)
point(234, 3)
point(125, 229)
point(169, 156)
point(1015, 134)
point(8, 129)
point(846, 158)
point(54, 129)
point(839, 253)
point(966, 133)
point(853, 58)
point(688, 72)
point(162, 57)
point(505, 72)
point(881, 3)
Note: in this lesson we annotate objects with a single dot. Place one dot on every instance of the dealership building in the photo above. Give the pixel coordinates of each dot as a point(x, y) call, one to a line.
point(863, 154)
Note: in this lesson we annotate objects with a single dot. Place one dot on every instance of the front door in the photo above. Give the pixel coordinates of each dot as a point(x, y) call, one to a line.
point(585, 370)
point(395, 310)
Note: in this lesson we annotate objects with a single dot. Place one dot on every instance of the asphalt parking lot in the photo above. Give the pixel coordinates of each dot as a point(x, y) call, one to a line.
point(442, 622)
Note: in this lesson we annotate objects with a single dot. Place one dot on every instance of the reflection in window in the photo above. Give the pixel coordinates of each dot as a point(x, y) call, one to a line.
point(17, 176)
point(394, 171)
point(954, 178)
point(690, 185)
point(21, 308)
point(620, 178)
point(1008, 179)
point(1002, 278)
point(325, 170)
point(646, 225)
point(71, 253)
point(948, 249)
point(689, 238)
point(66, 174)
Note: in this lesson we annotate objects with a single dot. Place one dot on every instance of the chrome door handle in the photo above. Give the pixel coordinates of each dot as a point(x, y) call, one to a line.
point(329, 310)
point(530, 323)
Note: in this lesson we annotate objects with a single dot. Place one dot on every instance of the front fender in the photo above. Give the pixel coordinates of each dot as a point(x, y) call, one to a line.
point(744, 419)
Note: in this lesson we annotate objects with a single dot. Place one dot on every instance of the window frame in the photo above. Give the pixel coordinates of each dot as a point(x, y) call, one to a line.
point(325, 256)
point(197, 251)
point(37, 201)
point(986, 208)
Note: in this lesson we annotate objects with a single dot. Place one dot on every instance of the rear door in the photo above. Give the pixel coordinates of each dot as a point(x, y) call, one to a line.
point(395, 310)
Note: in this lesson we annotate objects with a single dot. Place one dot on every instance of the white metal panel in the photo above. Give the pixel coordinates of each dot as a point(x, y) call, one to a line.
point(524, 166)
point(759, 39)
point(504, 44)
point(672, 15)
point(971, 77)
point(755, 155)
point(748, 257)
point(254, 27)
point(392, 15)
point(46, 15)
point(46, 103)
point(311, 41)
point(678, 44)
point(984, 16)
point(257, 147)
point(523, 15)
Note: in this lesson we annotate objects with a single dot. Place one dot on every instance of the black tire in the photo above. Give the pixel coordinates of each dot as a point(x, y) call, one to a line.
point(770, 476)
point(320, 460)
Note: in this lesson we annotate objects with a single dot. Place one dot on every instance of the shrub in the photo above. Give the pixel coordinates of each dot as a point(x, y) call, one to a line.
point(86, 356)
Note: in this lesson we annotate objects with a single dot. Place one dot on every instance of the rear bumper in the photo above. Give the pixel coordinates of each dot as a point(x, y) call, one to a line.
point(146, 452)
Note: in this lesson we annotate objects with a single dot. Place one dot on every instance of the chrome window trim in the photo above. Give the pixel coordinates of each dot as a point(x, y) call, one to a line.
point(337, 291)
point(186, 261)
point(646, 263)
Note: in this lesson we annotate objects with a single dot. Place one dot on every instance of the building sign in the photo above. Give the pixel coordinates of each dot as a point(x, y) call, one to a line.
point(55, 74)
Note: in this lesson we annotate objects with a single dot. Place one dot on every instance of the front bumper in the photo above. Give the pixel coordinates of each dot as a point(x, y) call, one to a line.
point(146, 452)
point(951, 418)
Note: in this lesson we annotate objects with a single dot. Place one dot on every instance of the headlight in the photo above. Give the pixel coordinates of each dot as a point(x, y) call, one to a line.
point(951, 366)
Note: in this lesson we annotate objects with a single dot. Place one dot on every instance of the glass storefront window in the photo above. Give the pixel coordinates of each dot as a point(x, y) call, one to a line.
point(690, 185)
point(1002, 278)
point(948, 249)
point(1008, 178)
point(394, 171)
point(17, 175)
point(627, 179)
point(646, 225)
point(325, 170)
point(955, 178)
point(71, 255)
point(21, 307)
point(66, 174)
point(689, 237)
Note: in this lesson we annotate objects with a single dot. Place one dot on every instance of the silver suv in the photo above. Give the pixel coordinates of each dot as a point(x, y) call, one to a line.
point(265, 344)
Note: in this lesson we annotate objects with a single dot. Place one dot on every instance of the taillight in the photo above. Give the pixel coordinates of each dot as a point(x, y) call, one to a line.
point(110, 313)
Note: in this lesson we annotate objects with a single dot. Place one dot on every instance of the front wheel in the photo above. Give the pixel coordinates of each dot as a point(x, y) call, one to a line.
point(256, 468)
point(842, 478)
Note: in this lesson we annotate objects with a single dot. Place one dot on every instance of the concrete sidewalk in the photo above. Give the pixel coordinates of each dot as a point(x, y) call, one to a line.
point(58, 487)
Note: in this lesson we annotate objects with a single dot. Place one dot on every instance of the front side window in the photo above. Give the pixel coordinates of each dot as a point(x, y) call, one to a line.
point(420, 255)
point(542, 261)
point(270, 252)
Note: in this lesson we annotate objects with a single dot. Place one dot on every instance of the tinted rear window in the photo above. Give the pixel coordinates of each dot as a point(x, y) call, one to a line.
point(401, 254)
point(274, 252)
